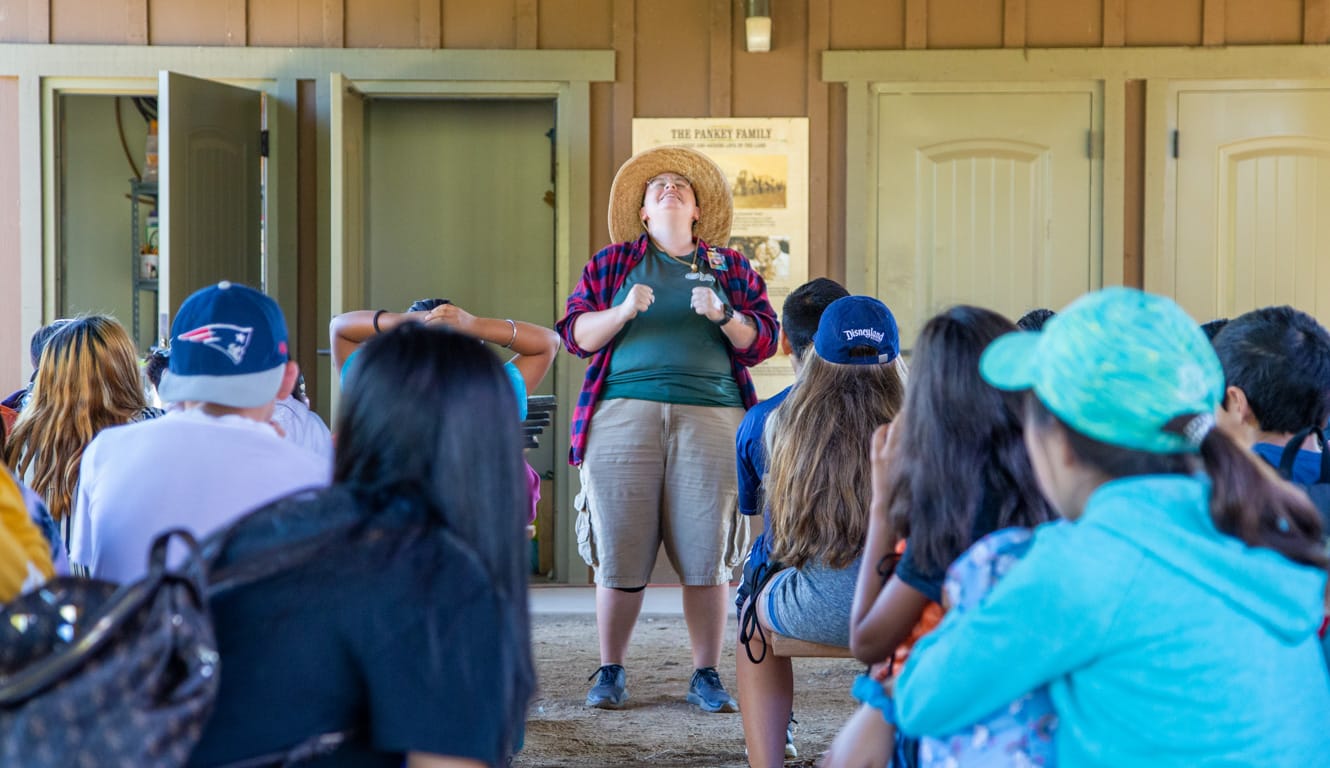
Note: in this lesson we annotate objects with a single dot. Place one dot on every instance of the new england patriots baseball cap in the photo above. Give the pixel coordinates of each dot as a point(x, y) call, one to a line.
point(228, 346)
point(852, 322)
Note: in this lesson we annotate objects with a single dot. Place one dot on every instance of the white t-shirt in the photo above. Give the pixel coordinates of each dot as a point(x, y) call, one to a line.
point(303, 426)
point(186, 469)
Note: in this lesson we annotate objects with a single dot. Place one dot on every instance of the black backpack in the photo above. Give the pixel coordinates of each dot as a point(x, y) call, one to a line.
point(1319, 491)
point(97, 673)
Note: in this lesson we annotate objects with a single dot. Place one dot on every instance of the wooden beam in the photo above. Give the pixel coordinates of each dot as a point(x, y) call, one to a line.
point(721, 64)
point(624, 37)
point(1013, 24)
point(820, 212)
point(39, 21)
point(527, 14)
point(136, 22)
point(431, 24)
point(1115, 23)
point(916, 24)
point(1315, 22)
point(1212, 23)
point(307, 233)
point(334, 24)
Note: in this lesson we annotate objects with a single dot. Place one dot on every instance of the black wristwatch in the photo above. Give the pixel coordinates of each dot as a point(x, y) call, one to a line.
point(725, 318)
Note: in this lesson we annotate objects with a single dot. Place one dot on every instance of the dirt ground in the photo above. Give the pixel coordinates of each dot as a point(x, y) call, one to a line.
point(658, 728)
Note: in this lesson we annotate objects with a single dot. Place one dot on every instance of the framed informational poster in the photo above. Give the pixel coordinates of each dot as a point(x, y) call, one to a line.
point(765, 160)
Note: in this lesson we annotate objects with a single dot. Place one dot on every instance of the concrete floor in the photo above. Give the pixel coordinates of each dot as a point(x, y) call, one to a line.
point(665, 599)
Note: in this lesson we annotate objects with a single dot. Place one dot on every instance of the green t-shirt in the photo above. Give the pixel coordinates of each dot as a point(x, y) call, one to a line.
point(669, 353)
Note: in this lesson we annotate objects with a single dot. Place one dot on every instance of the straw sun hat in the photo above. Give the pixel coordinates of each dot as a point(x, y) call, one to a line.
point(709, 185)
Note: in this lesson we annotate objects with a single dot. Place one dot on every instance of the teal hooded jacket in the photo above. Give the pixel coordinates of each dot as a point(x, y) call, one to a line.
point(1163, 642)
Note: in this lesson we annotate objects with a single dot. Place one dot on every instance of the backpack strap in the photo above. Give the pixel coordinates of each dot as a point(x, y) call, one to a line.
point(314, 746)
point(192, 570)
point(1293, 446)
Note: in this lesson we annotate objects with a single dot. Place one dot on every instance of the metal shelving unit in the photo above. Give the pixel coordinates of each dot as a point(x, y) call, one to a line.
point(140, 192)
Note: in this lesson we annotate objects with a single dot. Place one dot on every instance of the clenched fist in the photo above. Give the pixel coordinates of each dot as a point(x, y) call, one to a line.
point(639, 298)
point(706, 303)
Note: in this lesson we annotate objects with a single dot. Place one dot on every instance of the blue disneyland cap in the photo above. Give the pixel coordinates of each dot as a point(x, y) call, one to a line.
point(228, 346)
point(1116, 365)
point(857, 321)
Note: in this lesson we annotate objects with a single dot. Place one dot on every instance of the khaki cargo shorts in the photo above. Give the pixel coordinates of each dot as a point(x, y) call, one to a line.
point(660, 473)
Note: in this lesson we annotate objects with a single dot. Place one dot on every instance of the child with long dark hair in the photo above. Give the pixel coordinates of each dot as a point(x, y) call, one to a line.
point(393, 605)
point(1175, 619)
point(952, 469)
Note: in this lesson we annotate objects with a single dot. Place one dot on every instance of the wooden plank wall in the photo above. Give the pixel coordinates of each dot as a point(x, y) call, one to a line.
point(12, 342)
point(686, 57)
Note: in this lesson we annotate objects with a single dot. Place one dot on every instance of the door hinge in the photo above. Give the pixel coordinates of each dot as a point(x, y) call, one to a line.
point(1176, 142)
point(263, 143)
point(1089, 144)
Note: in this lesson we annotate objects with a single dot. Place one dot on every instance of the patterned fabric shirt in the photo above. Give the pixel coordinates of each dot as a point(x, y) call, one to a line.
point(601, 280)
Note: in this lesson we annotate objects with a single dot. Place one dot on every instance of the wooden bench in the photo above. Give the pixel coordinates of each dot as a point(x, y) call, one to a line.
point(782, 645)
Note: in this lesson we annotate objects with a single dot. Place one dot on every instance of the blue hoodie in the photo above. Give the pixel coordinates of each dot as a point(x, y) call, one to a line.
point(1163, 641)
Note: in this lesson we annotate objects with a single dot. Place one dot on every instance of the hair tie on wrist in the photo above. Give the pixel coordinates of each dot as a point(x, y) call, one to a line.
point(509, 321)
point(377, 329)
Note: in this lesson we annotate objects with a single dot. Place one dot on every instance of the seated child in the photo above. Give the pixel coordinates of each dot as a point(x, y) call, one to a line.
point(1020, 733)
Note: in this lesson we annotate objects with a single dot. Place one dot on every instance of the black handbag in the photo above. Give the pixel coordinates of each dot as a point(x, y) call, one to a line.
point(98, 674)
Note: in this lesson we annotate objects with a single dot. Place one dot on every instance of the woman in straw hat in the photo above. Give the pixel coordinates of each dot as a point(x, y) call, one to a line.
point(672, 320)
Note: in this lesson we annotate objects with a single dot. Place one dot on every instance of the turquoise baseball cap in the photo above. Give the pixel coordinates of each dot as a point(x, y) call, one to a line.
point(1116, 365)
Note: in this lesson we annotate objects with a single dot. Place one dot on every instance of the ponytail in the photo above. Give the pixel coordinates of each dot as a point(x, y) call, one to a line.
point(1249, 501)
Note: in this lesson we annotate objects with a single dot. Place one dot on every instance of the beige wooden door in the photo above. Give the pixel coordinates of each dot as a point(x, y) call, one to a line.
point(210, 188)
point(985, 198)
point(1252, 200)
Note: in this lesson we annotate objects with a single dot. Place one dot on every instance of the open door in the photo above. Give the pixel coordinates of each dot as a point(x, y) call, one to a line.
point(210, 189)
point(347, 179)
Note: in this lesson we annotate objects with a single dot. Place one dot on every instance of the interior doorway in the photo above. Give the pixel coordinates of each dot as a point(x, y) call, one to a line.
point(100, 159)
point(142, 175)
point(459, 204)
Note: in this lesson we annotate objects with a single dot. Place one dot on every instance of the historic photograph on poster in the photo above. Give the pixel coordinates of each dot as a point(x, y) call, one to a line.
point(757, 181)
point(765, 161)
point(770, 255)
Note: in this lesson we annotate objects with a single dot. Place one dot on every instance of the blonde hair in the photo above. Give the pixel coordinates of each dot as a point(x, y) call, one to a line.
point(88, 380)
point(817, 485)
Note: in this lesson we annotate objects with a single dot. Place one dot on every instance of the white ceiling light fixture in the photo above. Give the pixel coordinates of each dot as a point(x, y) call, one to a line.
point(757, 25)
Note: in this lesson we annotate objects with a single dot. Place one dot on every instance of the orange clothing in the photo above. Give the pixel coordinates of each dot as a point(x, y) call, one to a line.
point(927, 622)
point(931, 617)
point(25, 556)
point(8, 416)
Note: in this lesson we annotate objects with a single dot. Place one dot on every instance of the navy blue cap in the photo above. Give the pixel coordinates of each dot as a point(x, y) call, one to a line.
point(857, 321)
point(228, 346)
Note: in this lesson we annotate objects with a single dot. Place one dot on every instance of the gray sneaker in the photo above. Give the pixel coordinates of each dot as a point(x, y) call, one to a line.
point(609, 691)
point(706, 691)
